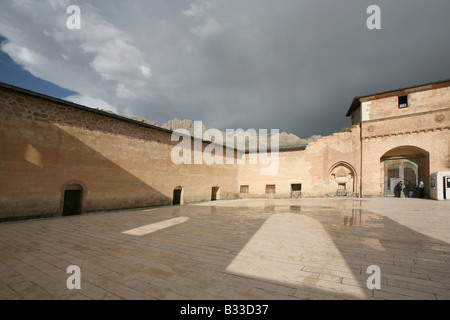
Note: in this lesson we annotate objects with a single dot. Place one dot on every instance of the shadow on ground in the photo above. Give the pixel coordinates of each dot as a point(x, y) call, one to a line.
point(266, 249)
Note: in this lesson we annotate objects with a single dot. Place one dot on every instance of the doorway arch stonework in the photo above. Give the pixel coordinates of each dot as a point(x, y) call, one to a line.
point(342, 179)
point(73, 185)
point(405, 163)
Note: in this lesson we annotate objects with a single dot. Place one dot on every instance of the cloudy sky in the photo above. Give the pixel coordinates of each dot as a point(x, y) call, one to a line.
point(292, 65)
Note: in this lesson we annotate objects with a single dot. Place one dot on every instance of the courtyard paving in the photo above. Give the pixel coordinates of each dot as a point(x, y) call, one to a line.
point(239, 249)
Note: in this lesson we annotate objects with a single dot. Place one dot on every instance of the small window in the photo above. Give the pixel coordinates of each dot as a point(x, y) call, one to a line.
point(296, 190)
point(342, 185)
point(433, 183)
point(403, 102)
point(270, 188)
point(244, 189)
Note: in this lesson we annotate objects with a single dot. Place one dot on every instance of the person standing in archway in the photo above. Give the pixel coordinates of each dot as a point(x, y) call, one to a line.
point(410, 189)
point(421, 187)
point(398, 190)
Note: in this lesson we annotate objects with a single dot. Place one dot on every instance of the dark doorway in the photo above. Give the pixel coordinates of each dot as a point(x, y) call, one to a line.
point(72, 202)
point(214, 193)
point(176, 196)
point(296, 190)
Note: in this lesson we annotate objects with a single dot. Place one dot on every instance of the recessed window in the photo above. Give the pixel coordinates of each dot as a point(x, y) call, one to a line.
point(403, 102)
point(270, 188)
point(296, 190)
point(244, 189)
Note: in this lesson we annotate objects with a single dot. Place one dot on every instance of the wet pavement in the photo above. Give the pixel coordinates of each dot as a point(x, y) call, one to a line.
point(317, 248)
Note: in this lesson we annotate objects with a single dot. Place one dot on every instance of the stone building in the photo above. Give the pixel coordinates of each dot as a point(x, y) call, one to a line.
point(60, 158)
point(404, 136)
point(400, 135)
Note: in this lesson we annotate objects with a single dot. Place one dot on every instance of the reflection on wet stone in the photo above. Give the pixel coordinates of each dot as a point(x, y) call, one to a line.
point(354, 220)
point(246, 249)
point(348, 221)
point(175, 210)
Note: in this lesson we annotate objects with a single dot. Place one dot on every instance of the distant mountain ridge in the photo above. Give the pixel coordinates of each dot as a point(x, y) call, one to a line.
point(285, 139)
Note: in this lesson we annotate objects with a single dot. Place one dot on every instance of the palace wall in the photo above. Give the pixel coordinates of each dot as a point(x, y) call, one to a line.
point(312, 167)
point(421, 129)
point(47, 146)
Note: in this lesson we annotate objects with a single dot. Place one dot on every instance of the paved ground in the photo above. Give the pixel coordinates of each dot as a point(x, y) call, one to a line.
point(240, 249)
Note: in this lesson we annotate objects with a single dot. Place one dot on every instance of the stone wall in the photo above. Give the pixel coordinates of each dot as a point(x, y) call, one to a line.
point(47, 144)
point(382, 108)
point(311, 167)
point(421, 130)
point(410, 133)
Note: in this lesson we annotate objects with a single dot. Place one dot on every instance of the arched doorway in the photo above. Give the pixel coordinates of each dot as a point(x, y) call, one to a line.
point(342, 179)
point(407, 164)
point(177, 195)
point(72, 202)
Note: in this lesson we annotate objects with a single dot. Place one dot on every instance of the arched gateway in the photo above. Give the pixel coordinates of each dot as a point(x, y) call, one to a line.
point(406, 164)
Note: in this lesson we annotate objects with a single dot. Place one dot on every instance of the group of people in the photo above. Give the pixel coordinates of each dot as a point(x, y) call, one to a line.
point(409, 189)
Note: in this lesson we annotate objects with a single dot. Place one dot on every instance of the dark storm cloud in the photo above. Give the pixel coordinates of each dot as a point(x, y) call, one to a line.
point(290, 65)
point(296, 66)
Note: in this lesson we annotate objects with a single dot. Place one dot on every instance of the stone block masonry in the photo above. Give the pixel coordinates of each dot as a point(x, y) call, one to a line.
point(49, 145)
point(60, 158)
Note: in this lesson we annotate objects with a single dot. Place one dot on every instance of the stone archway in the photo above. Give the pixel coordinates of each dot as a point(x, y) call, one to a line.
point(342, 179)
point(73, 198)
point(405, 164)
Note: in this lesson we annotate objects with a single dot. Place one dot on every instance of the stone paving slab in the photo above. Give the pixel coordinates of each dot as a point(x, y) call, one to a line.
point(269, 249)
